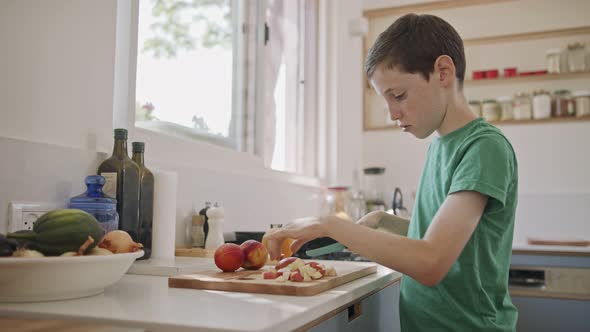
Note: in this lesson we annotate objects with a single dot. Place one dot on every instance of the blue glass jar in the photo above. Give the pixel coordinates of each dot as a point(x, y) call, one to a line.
point(97, 203)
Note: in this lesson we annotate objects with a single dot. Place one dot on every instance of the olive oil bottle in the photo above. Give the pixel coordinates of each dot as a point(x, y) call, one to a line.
point(146, 199)
point(122, 175)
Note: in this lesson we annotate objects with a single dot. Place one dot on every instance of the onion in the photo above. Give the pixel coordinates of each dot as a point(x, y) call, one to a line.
point(99, 252)
point(26, 253)
point(119, 242)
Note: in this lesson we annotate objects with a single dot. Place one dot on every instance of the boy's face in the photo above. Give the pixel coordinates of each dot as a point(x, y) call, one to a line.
point(418, 106)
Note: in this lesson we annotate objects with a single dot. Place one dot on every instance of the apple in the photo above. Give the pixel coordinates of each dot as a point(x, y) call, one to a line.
point(255, 255)
point(283, 263)
point(229, 257)
point(272, 274)
point(318, 267)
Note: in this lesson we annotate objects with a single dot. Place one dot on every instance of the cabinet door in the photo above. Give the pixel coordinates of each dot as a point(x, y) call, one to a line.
point(379, 312)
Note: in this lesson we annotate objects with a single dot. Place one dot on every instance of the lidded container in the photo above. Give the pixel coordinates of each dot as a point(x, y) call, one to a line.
point(582, 101)
point(564, 104)
point(338, 198)
point(374, 180)
point(541, 104)
point(475, 107)
point(553, 57)
point(491, 110)
point(97, 203)
point(522, 107)
point(576, 57)
point(506, 109)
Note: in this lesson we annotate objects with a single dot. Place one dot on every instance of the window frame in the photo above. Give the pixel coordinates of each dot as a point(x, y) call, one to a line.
point(124, 117)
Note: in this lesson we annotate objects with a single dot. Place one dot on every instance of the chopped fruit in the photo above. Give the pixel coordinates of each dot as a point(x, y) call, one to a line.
point(285, 262)
point(296, 276)
point(318, 267)
point(270, 274)
point(331, 272)
point(296, 264)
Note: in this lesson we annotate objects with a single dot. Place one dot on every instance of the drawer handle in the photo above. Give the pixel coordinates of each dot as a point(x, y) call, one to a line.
point(355, 311)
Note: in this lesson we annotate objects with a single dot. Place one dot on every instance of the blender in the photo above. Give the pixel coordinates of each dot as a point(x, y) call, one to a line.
point(374, 178)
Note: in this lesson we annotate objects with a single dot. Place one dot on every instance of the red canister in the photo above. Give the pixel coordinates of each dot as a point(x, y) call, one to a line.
point(510, 72)
point(492, 73)
point(478, 74)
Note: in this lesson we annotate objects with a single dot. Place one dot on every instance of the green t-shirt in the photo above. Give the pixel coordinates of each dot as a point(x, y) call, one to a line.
point(473, 296)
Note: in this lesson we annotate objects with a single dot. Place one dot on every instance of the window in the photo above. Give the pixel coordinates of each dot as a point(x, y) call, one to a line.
point(186, 68)
point(234, 72)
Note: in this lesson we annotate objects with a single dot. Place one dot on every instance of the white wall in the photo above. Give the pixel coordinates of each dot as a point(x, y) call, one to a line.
point(56, 120)
point(554, 159)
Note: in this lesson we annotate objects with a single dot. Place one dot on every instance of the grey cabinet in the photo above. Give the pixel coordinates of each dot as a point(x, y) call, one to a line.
point(378, 312)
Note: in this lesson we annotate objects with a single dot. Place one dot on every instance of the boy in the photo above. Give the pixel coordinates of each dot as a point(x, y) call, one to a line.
point(456, 256)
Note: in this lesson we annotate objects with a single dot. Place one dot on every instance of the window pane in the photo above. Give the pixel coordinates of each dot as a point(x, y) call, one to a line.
point(285, 18)
point(185, 67)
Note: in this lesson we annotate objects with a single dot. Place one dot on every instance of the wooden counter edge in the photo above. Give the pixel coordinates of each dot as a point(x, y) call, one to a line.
point(549, 252)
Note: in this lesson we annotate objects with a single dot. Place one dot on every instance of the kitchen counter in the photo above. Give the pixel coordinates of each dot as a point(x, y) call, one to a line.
point(528, 249)
point(144, 301)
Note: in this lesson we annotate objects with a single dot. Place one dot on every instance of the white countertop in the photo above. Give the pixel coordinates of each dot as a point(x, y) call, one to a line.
point(147, 302)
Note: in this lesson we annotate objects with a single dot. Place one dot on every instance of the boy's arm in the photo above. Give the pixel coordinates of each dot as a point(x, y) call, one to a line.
point(427, 260)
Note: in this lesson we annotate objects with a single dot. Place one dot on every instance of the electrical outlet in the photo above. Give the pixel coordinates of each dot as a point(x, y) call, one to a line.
point(22, 215)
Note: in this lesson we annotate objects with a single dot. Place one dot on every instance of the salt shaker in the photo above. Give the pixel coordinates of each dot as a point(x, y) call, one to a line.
point(215, 217)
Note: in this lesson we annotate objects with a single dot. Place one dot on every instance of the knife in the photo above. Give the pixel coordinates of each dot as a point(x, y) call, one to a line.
point(334, 247)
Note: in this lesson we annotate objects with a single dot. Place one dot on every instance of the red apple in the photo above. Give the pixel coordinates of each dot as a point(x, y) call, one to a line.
point(255, 255)
point(229, 257)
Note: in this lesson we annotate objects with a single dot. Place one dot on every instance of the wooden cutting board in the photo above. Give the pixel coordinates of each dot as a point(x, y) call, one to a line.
point(252, 281)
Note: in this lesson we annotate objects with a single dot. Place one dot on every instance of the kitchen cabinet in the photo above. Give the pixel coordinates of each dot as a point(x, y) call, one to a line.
point(378, 312)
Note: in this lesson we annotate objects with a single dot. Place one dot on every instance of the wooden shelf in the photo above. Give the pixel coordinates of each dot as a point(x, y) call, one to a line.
point(425, 7)
point(507, 122)
point(526, 36)
point(529, 78)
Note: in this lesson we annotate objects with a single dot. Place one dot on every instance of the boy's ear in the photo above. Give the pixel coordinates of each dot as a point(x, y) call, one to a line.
point(444, 69)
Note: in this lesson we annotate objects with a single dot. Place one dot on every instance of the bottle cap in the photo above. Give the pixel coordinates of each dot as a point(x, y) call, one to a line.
point(138, 147)
point(120, 133)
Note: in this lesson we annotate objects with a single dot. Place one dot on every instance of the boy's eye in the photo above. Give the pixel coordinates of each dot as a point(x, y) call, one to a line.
point(400, 96)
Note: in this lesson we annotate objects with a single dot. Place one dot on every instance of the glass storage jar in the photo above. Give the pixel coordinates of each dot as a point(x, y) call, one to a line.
point(507, 112)
point(97, 203)
point(490, 110)
point(564, 104)
point(541, 104)
point(522, 108)
point(553, 60)
point(582, 101)
point(576, 57)
point(475, 107)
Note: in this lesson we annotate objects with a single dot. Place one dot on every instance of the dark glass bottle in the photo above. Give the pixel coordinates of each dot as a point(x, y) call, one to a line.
point(203, 213)
point(146, 199)
point(122, 182)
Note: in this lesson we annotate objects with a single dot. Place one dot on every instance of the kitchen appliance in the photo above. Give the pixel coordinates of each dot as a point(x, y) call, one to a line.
point(252, 282)
point(374, 180)
point(550, 289)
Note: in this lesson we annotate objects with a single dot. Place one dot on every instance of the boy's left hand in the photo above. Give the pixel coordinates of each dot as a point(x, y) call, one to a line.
point(301, 230)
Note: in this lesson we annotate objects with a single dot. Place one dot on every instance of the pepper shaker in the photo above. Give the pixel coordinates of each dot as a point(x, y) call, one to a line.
point(215, 218)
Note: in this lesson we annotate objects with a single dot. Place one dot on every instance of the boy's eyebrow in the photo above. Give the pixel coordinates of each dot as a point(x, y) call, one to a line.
point(389, 90)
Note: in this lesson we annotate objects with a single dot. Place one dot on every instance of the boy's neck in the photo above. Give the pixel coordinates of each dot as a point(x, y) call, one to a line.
point(457, 114)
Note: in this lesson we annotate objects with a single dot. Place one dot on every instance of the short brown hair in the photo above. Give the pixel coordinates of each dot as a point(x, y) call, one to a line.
point(413, 43)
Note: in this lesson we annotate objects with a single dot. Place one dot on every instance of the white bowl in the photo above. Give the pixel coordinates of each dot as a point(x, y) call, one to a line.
point(59, 278)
